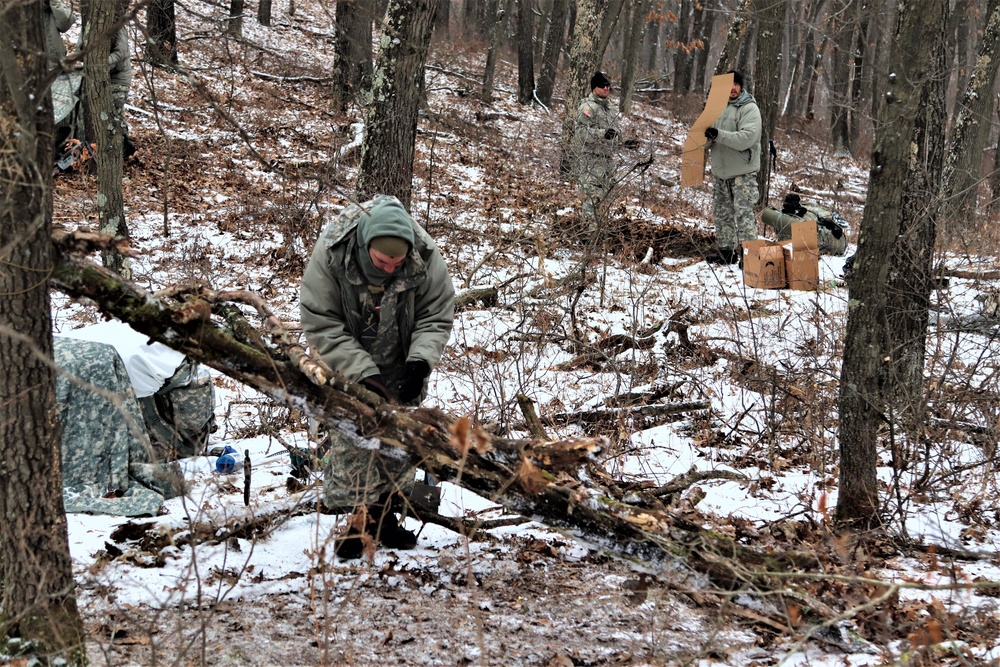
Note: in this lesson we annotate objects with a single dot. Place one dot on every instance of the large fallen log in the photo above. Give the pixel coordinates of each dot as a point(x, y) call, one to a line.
point(557, 482)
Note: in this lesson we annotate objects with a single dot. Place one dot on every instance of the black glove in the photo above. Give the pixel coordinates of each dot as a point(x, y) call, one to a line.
point(711, 134)
point(416, 372)
point(610, 133)
point(374, 383)
point(631, 144)
point(833, 227)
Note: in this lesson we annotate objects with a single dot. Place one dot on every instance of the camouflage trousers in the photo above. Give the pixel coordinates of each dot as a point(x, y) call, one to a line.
point(119, 94)
point(733, 203)
point(358, 472)
point(594, 176)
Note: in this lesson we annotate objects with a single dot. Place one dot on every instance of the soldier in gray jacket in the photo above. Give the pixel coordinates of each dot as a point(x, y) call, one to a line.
point(378, 305)
point(734, 144)
point(595, 135)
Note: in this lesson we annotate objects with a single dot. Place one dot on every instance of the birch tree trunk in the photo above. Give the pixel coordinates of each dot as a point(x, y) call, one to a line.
point(37, 592)
point(397, 88)
point(897, 224)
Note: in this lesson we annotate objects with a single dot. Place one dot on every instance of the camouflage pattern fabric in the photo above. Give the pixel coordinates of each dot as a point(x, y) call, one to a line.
point(595, 167)
point(107, 461)
point(733, 202)
point(180, 417)
point(827, 242)
point(358, 472)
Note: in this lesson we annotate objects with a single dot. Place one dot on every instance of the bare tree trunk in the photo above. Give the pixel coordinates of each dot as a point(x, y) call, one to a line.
point(897, 224)
point(632, 46)
point(859, 90)
point(161, 33)
point(730, 57)
point(100, 23)
point(525, 53)
point(37, 592)
point(264, 12)
point(554, 41)
point(710, 13)
point(583, 59)
point(970, 130)
point(842, 30)
point(767, 78)
point(235, 26)
point(442, 19)
point(495, 33)
point(352, 49)
point(391, 125)
point(683, 56)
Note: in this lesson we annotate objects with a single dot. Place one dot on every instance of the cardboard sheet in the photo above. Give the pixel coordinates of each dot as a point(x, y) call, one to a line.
point(693, 154)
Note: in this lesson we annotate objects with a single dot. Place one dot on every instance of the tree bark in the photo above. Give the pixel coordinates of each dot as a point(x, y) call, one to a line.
point(840, 75)
point(970, 131)
point(161, 33)
point(37, 592)
point(902, 162)
point(264, 12)
point(235, 24)
point(735, 40)
point(525, 53)
point(397, 89)
point(101, 21)
point(352, 49)
point(633, 44)
point(583, 60)
point(767, 79)
point(554, 41)
point(495, 33)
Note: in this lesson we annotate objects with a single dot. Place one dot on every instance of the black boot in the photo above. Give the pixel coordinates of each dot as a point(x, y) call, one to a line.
point(389, 533)
point(724, 256)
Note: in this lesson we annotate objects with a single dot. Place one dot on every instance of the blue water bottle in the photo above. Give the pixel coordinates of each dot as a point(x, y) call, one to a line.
point(229, 461)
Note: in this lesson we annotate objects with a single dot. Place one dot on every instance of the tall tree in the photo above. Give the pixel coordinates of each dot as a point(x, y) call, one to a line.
point(767, 78)
point(101, 21)
point(525, 53)
point(736, 38)
point(495, 33)
point(352, 51)
point(636, 29)
point(887, 316)
point(397, 89)
point(970, 130)
point(584, 58)
point(37, 595)
point(264, 12)
point(554, 41)
point(841, 26)
point(161, 33)
point(235, 23)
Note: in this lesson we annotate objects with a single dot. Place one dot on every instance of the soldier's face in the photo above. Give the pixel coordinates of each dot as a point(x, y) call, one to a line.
point(384, 262)
point(603, 91)
point(735, 92)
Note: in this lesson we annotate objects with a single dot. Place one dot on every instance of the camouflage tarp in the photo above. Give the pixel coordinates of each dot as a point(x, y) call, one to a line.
point(106, 454)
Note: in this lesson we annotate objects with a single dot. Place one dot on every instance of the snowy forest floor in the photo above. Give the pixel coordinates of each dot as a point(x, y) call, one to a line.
point(487, 187)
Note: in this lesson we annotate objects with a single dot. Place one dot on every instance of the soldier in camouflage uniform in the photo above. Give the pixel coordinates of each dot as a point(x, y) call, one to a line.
point(595, 137)
point(378, 305)
point(108, 464)
point(734, 144)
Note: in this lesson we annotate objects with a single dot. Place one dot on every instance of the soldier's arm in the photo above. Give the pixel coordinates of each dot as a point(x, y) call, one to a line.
point(747, 133)
point(434, 314)
point(63, 16)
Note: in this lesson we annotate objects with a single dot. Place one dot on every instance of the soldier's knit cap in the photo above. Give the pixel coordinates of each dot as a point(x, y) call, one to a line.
point(599, 80)
point(387, 227)
point(737, 78)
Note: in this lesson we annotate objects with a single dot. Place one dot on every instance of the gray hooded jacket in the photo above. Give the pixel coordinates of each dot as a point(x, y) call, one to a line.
point(417, 302)
point(736, 151)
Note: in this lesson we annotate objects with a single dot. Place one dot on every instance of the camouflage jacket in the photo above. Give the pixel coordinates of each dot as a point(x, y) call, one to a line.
point(736, 151)
point(417, 306)
point(107, 460)
point(593, 119)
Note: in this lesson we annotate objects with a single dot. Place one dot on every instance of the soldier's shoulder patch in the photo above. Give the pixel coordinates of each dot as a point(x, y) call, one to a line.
point(587, 112)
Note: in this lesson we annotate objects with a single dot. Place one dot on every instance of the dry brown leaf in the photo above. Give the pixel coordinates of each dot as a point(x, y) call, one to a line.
point(465, 435)
point(531, 478)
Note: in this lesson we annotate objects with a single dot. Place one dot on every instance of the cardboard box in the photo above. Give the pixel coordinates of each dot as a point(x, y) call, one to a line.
point(763, 264)
point(793, 264)
point(802, 256)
